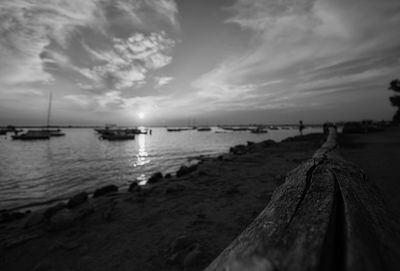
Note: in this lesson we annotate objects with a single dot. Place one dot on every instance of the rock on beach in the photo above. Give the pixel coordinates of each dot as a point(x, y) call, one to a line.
point(105, 190)
point(77, 200)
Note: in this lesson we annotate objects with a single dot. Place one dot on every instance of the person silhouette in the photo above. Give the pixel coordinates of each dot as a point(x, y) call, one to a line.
point(301, 127)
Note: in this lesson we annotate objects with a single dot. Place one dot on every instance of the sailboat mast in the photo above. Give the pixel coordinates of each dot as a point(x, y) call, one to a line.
point(49, 110)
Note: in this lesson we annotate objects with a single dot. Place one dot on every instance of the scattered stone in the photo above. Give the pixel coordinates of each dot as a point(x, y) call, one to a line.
point(134, 187)
point(193, 256)
point(83, 249)
point(184, 251)
point(178, 257)
point(68, 245)
point(232, 191)
point(62, 219)
point(19, 240)
point(227, 158)
point(84, 210)
point(105, 190)
point(180, 243)
point(238, 149)
point(265, 195)
point(168, 176)
point(198, 222)
point(155, 177)
point(11, 216)
point(279, 179)
point(250, 263)
point(175, 188)
point(43, 266)
point(255, 214)
point(34, 219)
point(268, 143)
point(184, 170)
point(249, 143)
point(297, 160)
point(77, 200)
point(108, 212)
point(202, 173)
point(138, 198)
point(54, 209)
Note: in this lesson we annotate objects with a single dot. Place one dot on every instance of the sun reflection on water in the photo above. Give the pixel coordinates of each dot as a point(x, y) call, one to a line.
point(142, 156)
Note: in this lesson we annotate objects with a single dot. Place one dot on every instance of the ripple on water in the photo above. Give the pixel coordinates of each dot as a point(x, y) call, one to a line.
point(40, 171)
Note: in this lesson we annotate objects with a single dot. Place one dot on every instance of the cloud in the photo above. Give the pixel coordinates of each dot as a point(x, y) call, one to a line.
point(27, 28)
point(259, 15)
point(127, 64)
point(115, 101)
point(167, 8)
point(227, 93)
point(162, 81)
point(23, 92)
point(47, 28)
point(307, 44)
point(111, 100)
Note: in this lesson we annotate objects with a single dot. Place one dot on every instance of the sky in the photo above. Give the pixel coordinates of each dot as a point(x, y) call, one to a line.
point(174, 62)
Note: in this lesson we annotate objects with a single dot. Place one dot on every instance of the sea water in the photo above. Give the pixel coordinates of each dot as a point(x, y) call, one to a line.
point(38, 172)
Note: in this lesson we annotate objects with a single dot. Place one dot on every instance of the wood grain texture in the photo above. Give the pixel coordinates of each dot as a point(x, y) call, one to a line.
point(326, 216)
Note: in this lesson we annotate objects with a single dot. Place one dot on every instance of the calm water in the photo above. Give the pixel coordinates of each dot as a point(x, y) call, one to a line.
point(41, 171)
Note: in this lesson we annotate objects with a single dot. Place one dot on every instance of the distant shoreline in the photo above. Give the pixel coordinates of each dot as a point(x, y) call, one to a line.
point(150, 126)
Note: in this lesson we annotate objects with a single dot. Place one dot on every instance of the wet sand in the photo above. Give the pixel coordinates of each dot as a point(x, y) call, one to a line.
point(174, 224)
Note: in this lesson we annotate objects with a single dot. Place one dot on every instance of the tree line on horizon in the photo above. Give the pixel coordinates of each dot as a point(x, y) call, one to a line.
point(395, 99)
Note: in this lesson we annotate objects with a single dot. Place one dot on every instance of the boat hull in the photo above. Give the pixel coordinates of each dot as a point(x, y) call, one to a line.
point(28, 137)
point(117, 137)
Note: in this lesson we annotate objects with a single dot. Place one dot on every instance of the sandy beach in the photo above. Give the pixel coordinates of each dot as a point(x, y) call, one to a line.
point(179, 223)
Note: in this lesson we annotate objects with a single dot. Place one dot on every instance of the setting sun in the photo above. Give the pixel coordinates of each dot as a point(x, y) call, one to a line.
point(141, 115)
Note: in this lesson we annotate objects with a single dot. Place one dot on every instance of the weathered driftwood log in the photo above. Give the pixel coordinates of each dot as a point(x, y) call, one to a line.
point(326, 216)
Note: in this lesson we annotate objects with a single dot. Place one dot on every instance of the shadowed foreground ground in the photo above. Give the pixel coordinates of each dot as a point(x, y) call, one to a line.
point(136, 231)
point(378, 154)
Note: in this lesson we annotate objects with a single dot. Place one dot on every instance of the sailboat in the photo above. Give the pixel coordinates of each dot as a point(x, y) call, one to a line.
point(51, 132)
point(40, 134)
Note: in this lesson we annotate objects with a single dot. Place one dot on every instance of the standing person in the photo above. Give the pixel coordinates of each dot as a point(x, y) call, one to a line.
point(326, 128)
point(301, 127)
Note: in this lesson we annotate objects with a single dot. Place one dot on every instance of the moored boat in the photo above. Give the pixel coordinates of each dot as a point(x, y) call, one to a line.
point(204, 129)
point(53, 133)
point(259, 130)
point(48, 131)
point(235, 129)
point(174, 129)
point(118, 135)
point(106, 129)
point(136, 131)
point(115, 129)
point(32, 135)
